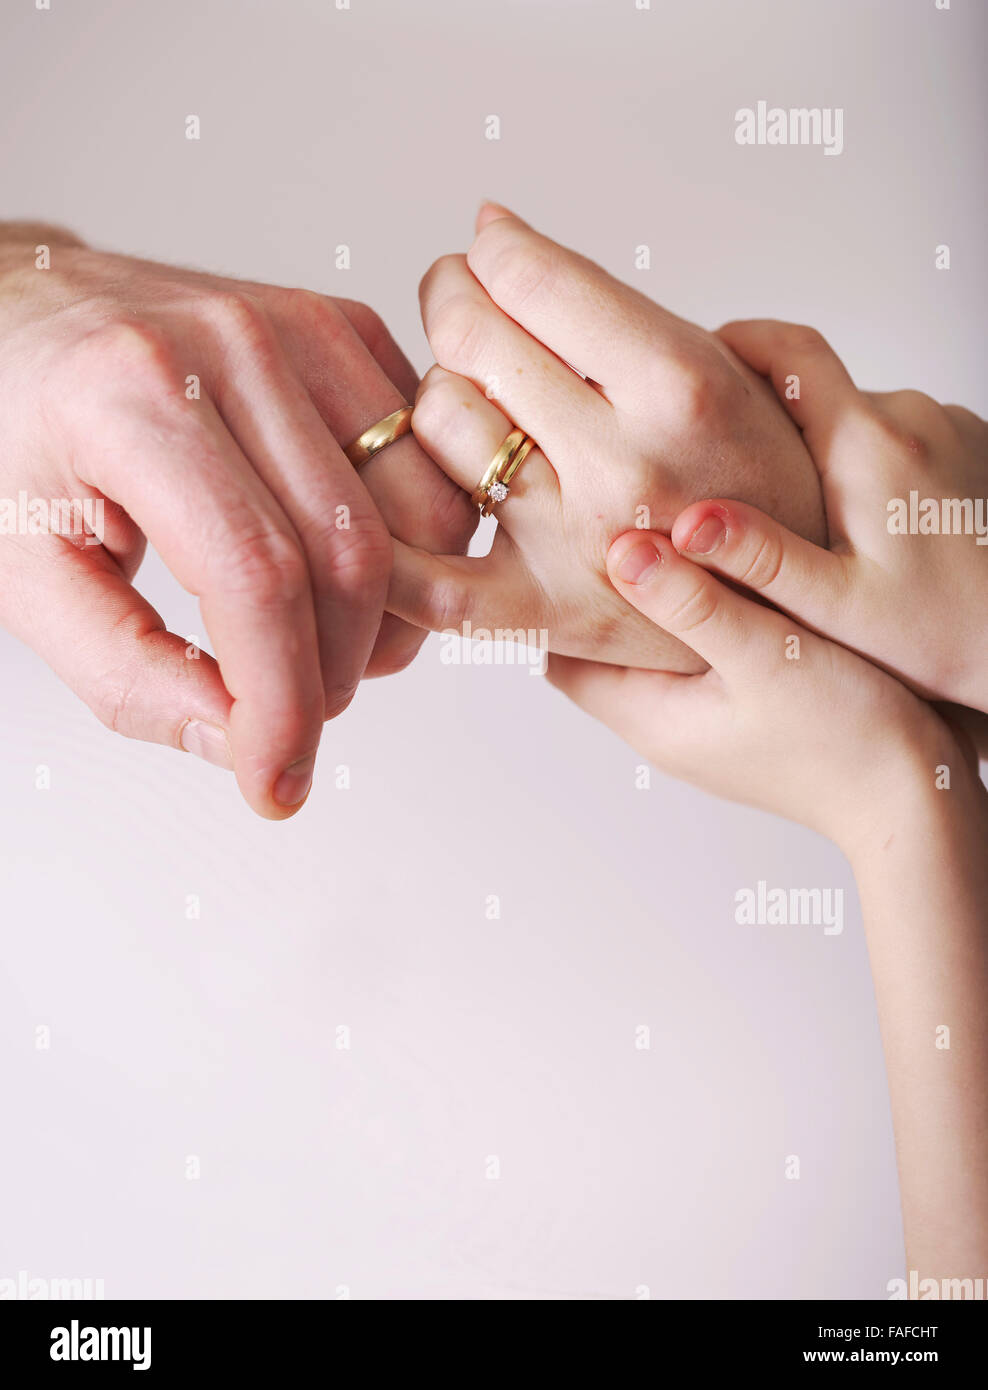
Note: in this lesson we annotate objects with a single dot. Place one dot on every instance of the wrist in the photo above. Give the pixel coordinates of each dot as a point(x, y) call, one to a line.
point(19, 243)
point(927, 786)
point(31, 234)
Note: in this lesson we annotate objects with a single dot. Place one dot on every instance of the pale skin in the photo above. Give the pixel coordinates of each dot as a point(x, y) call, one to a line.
point(830, 740)
point(241, 489)
point(241, 485)
point(237, 488)
point(869, 448)
point(667, 414)
point(665, 408)
point(812, 731)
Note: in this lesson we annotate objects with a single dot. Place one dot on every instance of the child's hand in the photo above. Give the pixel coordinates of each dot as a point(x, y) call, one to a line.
point(915, 603)
point(784, 720)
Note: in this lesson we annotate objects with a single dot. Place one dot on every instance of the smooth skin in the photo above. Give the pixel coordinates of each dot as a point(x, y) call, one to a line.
point(244, 491)
point(658, 413)
point(830, 740)
point(636, 413)
point(915, 604)
point(772, 714)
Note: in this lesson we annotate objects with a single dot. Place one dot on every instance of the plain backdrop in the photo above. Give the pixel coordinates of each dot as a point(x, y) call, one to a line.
point(196, 1126)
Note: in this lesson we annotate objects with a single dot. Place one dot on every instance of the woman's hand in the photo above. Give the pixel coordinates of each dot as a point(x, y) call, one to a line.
point(656, 410)
point(783, 719)
point(917, 603)
point(204, 415)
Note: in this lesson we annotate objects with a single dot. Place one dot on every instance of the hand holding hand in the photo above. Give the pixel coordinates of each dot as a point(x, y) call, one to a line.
point(655, 410)
point(915, 603)
point(783, 719)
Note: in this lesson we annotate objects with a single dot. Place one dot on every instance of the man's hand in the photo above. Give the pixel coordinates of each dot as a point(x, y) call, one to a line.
point(205, 414)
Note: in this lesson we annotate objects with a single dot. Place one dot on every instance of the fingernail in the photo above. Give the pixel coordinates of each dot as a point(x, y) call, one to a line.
point(294, 783)
point(707, 536)
point(638, 563)
point(207, 741)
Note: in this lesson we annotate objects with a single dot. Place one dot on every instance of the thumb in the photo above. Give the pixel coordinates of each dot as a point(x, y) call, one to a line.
point(743, 544)
point(80, 613)
point(491, 212)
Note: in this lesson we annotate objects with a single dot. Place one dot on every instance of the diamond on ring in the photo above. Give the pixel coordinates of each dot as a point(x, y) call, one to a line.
point(497, 492)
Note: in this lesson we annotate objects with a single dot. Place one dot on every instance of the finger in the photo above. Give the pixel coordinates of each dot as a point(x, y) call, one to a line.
point(972, 428)
point(223, 536)
point(571, 304)
point(662, 714)
point(470, 335)
point(356, 374)
point(321, 311)
point(345, 543)
point(452, 592)
point(378, 341)
point(462, 431)
point(970, 727)
point(77, 610)
point(743, 544)
point(733, 634)
point(490, 212)
point(340, 354)
point(809, 378)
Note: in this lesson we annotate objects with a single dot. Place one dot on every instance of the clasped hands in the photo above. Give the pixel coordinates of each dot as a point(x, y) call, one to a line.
point(209, 416)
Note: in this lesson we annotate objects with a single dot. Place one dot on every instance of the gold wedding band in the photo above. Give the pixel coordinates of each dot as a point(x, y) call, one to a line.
point(494, 485)
point(379, 436)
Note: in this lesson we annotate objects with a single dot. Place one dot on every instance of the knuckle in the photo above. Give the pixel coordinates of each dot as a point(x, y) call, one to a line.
point(455, 332)
point(447, 516)
point(336, 699)
point(240, 318)
point(438, 409)
point(138, 353)
point(447, 521)
point(518, 271)
point(358, 560)
point(693, 392)
point(803, 337)
point(452, 264)
point(454, 517)
point(695, 609)
point(762, 565)
point(110, 700)
point(263, 564)
point(693, 396)
point(314, 313)
point(368, 324)
point(660, 372)
point(908, 420)
point(915, 402)
point(113, 693)
point(445, 606)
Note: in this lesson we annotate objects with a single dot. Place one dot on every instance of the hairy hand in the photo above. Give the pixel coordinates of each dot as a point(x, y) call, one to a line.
point(205, 414)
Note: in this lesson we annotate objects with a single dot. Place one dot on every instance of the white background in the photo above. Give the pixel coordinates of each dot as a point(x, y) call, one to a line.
point(216, 1037)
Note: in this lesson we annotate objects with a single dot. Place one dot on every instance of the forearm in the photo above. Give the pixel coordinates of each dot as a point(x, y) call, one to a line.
point(20, 254)
point(923, 885)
